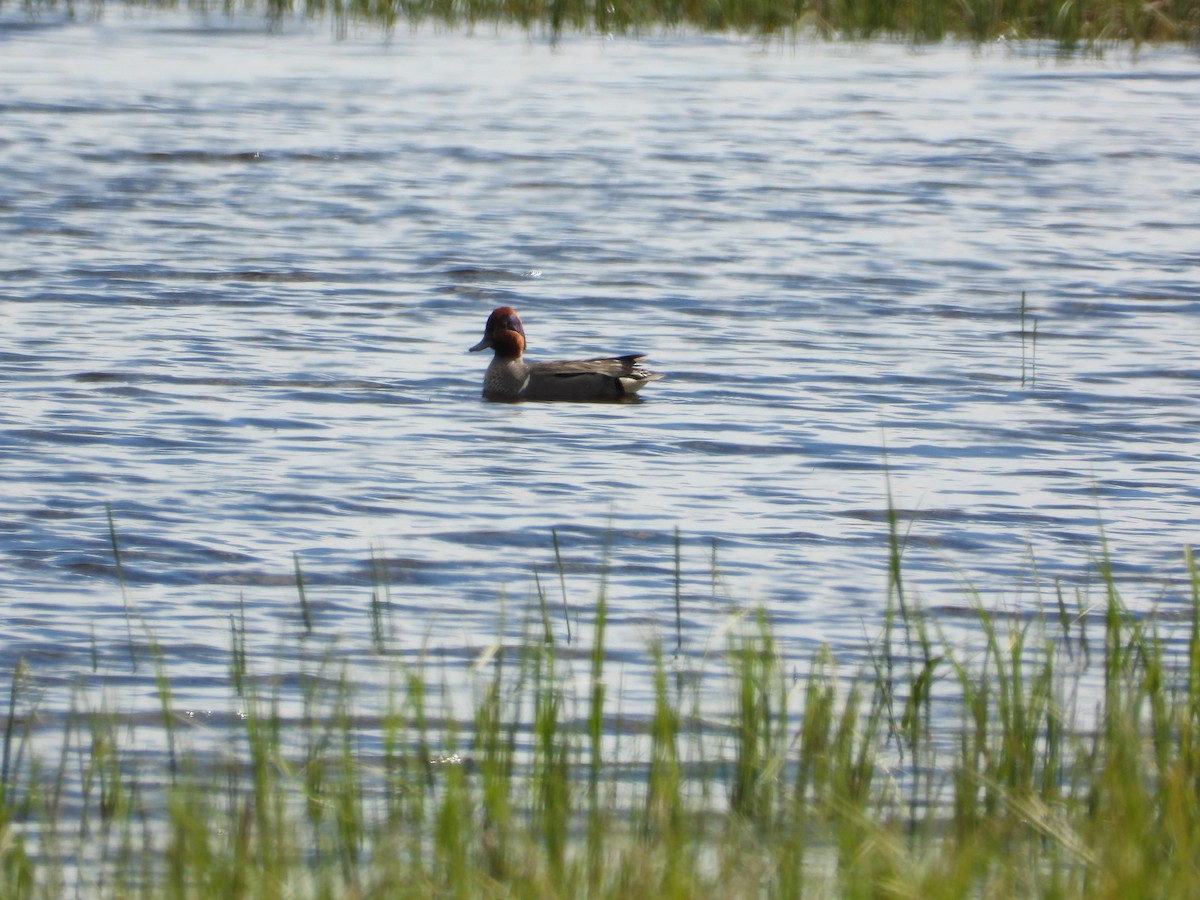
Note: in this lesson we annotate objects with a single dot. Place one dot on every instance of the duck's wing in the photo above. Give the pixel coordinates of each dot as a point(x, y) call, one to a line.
point(603, 378)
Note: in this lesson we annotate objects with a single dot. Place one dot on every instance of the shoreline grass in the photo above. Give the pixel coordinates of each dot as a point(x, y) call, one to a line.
point(1071, 24)
point(929, 771)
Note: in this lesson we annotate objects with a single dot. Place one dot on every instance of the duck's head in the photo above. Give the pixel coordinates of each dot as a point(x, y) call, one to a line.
point(503, 333)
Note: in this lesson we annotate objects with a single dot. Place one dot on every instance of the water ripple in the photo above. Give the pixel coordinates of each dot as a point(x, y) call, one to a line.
point(240, 286)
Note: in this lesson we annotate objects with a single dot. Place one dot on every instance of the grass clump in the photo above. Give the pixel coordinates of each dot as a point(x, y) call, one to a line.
point(1058, 757)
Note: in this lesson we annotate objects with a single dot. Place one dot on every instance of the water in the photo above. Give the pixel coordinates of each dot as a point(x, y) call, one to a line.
point(240, 272)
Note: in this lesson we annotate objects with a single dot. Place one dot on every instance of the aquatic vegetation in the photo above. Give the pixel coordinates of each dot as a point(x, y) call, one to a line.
point(1058, 757)
point(1028, 346)
point(1070, 23)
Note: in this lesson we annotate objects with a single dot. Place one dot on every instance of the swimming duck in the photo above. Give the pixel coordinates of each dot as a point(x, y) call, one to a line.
point(510, 378)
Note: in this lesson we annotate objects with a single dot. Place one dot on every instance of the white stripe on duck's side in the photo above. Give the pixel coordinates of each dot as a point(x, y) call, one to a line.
point(510, 378)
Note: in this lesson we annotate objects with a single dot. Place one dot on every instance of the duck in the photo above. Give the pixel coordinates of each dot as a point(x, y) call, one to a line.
point(510, 379)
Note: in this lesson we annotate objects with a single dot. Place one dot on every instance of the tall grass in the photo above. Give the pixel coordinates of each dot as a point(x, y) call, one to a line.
point(929, 771)
point(1070, 23)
